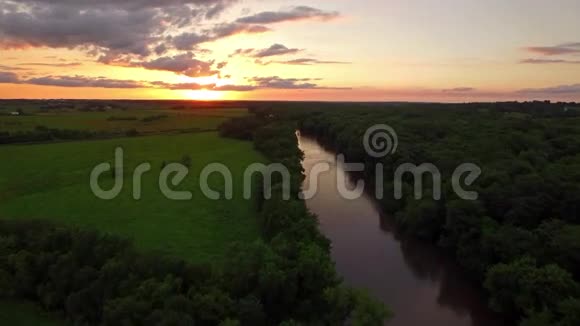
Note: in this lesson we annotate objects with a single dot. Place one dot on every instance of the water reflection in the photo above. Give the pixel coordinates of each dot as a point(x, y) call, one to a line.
point(419, 283)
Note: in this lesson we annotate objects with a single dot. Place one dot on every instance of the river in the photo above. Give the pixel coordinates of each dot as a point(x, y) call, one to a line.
point(420, 284)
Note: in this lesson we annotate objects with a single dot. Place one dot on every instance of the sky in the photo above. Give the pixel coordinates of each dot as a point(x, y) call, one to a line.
point(327, 50)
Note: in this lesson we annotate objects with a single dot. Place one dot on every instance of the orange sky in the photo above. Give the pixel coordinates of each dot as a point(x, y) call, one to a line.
point(395, 50)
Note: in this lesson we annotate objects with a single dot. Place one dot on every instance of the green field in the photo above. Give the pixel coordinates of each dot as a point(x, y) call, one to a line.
point(51, 181)
point(117, 120)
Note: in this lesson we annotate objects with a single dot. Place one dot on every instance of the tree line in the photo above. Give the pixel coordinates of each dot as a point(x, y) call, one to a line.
point(45, 134)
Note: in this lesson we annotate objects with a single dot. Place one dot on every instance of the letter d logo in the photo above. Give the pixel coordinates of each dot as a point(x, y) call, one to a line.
point(117, 172)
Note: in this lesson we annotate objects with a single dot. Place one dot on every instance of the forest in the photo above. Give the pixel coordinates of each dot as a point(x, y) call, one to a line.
point(520, 239)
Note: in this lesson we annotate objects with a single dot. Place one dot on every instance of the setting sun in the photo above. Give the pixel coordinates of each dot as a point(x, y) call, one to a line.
point(204, 95)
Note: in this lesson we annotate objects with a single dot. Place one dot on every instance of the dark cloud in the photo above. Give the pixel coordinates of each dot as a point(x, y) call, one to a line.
point(82, 81)
point(110, 27)
point(310, 62)
point(188, 41)
point(183, 64)
point(235, 88)
point(8, 77)
point(274, 50)
point(141, 33)
point(562, 49)
point(557, 90)
point(208, 5)
point(294, 14)
point(230, 29)
point(161, 49)
point(242, 52)
point(114, 31)
point(549, 61)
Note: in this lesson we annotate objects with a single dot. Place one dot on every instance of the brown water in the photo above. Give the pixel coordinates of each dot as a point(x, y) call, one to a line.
point(415, 280)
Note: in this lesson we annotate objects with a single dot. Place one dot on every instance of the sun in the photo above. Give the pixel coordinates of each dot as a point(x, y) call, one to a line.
point(204, 95)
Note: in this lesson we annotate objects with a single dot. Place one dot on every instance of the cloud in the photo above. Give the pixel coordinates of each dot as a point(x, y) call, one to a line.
point(183, 64)
point(276, 82)
point(310, 62)
point(567, 53)
point(235, 88)
point(294, 14)
point(57, 65)
point(181, 86)
point(459, 90)
point(110, 31)
point(562, 49)
point(274, 50)
point(189, 40)
point(209, 5)
point(81, 81)
point(285, 83)
point(107, 27)
point(557, 90)
point(257, 83)
point(149, 34)
point(11, 68)
point(8, 77)
point(229, 29)
point(549, 61)
point(196, 86)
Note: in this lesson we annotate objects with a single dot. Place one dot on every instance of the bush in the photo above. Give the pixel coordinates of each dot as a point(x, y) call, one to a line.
point(155, 118)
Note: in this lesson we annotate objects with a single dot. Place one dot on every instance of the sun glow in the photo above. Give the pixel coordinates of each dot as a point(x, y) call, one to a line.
point(204, 95)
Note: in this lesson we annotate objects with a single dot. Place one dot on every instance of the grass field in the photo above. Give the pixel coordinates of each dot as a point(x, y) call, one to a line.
point(203, 119)
point(51, 181)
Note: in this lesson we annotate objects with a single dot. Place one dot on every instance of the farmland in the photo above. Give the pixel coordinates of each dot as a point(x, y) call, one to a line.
point(51, 181)
point(149, 121)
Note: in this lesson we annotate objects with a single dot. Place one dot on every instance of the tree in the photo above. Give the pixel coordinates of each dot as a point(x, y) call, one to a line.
point(186, 160)
point(522, 287)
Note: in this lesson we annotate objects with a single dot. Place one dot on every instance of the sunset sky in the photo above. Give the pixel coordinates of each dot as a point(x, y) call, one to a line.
point(371, 50)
